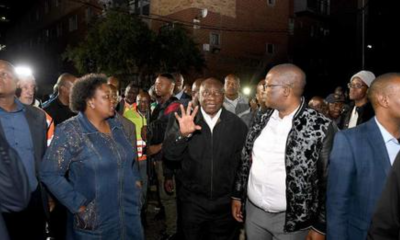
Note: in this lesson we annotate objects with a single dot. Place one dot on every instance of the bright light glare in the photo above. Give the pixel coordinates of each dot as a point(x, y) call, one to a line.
point(369, 46)
point(247, 91)
point(23, 71)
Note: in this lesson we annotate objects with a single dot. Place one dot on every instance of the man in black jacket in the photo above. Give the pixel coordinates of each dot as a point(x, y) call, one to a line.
point(156, 128)
point(360, 110)
point(208, 146)
point(24, 128)
point(14, 186)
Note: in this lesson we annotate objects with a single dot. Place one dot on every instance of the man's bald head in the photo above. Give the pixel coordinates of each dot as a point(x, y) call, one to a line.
point(318, 104)
point(64, 85)
point(292, 76)
point(5, 64)
point(64, 78)
point(8, 79)
point(382, 87)
point(114, 81)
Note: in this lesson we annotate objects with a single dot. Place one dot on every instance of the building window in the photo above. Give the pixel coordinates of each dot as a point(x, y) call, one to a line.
point(215, 39)
point(271, 3)
point(56, 3)
point(270, 48)
point(73, 23)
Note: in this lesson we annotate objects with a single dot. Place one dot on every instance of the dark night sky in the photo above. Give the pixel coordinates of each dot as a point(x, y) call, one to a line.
point(12, 10)
point(343, 54)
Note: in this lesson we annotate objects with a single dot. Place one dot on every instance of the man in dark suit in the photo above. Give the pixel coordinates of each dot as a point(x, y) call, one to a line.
point(179, 92)
point(385, 223)
point(14, 185)
point(24, 129)
point(360, 162)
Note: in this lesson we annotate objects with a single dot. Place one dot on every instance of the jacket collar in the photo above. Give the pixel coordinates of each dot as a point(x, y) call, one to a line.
point(87, 126)
point(377, 142)
point(223, 117)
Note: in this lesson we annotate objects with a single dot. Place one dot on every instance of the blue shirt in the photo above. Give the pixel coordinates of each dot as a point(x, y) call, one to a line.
point(391, 143)
point(18, 135)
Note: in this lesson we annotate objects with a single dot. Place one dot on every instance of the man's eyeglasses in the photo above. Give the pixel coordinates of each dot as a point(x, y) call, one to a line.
point(207, 93)
point(266, 86)
point(356, 85)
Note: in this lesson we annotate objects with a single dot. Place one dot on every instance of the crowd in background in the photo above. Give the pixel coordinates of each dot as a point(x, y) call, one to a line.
point(79, 166)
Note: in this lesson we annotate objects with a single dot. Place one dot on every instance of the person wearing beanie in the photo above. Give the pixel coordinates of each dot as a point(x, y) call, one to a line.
point(360, 109)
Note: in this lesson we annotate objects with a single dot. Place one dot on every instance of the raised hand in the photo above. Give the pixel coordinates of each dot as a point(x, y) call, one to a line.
point(186, 121)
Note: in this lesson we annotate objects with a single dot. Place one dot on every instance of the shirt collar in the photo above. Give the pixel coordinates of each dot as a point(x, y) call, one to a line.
point(130, 106)
point(89, 128)
point(208, 117)
point(19, 108)
point(179, 95)
point(275, 114)
point(387, 137)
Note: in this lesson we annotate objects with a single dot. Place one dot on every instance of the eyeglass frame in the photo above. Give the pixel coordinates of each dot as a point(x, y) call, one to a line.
point(265, 86)
point(356, 85)
point(207, 93)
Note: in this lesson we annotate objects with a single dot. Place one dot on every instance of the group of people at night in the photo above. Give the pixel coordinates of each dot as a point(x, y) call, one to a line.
point(79, 166)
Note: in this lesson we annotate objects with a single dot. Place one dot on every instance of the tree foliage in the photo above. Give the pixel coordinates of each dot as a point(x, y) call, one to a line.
point(119, 43)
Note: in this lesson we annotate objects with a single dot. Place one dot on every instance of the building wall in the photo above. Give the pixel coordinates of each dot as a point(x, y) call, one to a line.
point(168, 7)
point(245, 28)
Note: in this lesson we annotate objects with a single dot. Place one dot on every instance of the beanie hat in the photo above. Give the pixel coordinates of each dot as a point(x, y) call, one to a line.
point(366, 76)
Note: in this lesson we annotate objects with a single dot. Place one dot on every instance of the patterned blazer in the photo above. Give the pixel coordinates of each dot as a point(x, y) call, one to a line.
point(307, 151)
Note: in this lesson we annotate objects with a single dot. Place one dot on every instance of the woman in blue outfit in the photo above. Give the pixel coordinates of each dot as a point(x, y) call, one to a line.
point(89, 168)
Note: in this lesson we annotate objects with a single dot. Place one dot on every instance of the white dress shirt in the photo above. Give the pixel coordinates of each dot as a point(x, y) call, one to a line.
point(179, 95)
point(211, 122)
point(353, 118)
point(391, 143)
point(267, 180)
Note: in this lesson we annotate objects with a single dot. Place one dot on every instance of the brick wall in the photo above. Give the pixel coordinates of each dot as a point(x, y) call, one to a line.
point(243, 35)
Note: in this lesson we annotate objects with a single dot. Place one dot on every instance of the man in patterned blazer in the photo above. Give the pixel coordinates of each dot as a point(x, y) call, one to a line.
point(282, 173)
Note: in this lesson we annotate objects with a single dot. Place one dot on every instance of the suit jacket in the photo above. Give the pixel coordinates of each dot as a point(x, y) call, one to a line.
point(358, 167)
point(386, 220)
point(36, 119)
point(14, 185)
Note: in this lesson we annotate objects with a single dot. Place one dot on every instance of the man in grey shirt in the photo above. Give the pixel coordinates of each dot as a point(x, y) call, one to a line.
point(234, 102)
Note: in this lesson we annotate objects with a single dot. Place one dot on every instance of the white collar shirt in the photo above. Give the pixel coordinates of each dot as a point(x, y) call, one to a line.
point(391, 143)
point(211, 122)
point(267, 180)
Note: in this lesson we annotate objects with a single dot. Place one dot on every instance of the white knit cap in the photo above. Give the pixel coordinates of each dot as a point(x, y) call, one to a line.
point(366, 76)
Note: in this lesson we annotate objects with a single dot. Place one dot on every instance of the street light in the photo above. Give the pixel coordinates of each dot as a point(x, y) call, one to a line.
point(247, 91)
point(23, 71)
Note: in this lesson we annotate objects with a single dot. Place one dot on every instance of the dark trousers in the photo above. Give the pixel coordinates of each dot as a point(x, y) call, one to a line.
point(29, 223)
point(206, 219)
point(58, 222)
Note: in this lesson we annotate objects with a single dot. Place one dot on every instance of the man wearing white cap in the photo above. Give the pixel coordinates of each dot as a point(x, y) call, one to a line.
point(361, 110)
